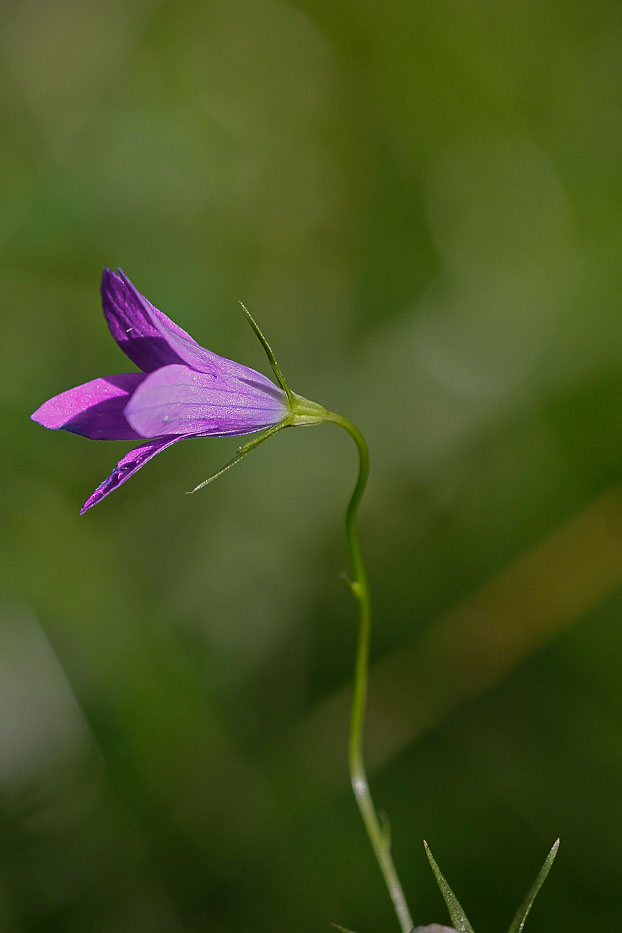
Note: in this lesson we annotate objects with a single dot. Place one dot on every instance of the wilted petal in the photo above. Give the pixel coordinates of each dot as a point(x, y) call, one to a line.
point(126, 467)
point(94, 409)
point(131, 322)
point(179, 400)
point(188, 350)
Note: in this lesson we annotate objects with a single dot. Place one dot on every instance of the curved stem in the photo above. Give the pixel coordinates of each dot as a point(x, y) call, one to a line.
point(378, 835)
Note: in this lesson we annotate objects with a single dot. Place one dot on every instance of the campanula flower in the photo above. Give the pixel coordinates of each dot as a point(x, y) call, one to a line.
point(182, 391)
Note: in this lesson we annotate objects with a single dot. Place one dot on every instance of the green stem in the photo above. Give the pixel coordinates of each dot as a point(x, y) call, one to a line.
point(378, 836)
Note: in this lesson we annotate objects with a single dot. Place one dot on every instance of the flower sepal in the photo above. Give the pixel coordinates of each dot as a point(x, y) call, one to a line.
point(457, 914)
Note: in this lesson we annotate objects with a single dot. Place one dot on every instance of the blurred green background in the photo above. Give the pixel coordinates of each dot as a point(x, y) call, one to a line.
point(422, 205)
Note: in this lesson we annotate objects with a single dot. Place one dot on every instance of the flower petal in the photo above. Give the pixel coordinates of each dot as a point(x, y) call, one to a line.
point(188, 350)
point(126, 467)
point(179, 400)
point(131, 320)
point(94, 409)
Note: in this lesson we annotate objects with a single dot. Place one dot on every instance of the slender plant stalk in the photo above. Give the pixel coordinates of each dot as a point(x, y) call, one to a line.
point(304, 411)
point(378, 835)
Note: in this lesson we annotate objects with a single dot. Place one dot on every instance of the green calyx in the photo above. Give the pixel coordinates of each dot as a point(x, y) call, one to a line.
point(301, 411)
point(304, 411)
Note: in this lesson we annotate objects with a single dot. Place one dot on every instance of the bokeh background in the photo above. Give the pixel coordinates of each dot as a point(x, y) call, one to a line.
point(422, 205)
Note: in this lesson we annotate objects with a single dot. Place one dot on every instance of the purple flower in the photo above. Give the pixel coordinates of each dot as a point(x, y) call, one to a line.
point(183, 390)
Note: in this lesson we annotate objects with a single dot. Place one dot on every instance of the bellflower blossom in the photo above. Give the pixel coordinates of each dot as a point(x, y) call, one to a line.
point(183, 390)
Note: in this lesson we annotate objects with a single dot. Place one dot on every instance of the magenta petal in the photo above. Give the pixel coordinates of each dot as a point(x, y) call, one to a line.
point(131, 317)
point(188, 350)
point(126, 467)
point(94, 409)
point(179, 400)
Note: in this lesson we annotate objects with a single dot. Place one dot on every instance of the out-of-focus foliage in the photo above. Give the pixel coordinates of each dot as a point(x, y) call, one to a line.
point(422, 205)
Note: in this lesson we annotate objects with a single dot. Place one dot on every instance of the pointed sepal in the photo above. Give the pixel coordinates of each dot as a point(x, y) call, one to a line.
point(457, 914)
point(276, 369)
point(518, 922)
point(242, 452)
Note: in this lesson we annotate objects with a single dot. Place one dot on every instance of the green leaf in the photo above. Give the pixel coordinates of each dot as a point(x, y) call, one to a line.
point(519, 920)
point(457, 914)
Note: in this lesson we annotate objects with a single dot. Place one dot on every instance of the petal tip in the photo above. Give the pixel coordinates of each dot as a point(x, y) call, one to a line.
point(92, 500)
point(108, 276)
point(96, 496)
point(44, 416)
